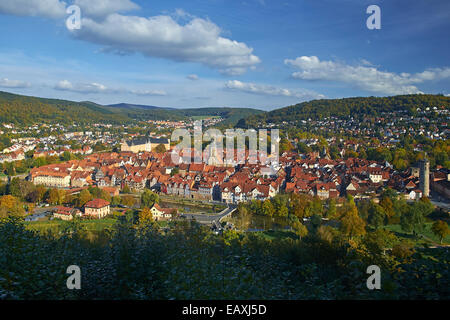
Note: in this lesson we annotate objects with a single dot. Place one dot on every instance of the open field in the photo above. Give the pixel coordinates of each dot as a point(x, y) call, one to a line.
point(57, 225)
point(427, 233)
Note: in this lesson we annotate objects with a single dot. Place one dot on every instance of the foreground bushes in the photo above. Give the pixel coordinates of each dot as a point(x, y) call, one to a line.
point(188, 262)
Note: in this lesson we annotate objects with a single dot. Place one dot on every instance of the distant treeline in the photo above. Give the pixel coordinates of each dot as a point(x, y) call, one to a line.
point(370, 106)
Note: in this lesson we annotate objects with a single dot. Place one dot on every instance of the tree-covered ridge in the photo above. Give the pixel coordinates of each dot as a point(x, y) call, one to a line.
point(231, 115)
point(25, 110)
point(370, 106)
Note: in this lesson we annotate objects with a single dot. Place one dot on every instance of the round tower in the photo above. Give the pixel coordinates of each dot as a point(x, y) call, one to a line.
point(424, 177)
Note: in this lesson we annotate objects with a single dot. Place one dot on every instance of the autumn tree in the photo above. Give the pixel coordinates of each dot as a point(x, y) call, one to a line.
point(8, 201)
point(10, 206)
point(267, 208)
point(145, 216)
point(325, 233)
point(128, 201)
point(388, 206)
point(351, 224)
point(440, 229)
point(300, 229)
point(298, 205)
point(244, 217)
point(55, 196)
point(84, 197)
point(160, 148)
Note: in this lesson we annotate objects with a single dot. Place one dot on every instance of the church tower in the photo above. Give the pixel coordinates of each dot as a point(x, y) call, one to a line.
point(424, 177)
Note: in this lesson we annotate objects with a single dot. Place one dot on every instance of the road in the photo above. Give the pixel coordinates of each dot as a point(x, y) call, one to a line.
point(39, 213)
point(210, 218)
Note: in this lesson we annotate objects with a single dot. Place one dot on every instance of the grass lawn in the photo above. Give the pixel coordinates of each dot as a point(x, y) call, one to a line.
point(163, 223)
point(56, 225)
point(427, 233)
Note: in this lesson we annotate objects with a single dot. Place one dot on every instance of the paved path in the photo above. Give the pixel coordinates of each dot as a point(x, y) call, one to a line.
point(210, 218)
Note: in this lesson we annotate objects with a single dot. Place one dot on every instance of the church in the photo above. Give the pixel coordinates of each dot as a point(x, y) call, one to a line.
point(144, 144)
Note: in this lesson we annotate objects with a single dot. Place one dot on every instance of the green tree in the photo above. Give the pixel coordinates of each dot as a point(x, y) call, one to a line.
point(378, 241)
point(84, 197)
point(332, 211)
point(440, 229)
point(160, 148)
point(20, 188)
point(267, 208)
point(115, 201)
point(376, 215)
point(316, 221)
point(414, 219)
point(149, 198)
point(126, 189)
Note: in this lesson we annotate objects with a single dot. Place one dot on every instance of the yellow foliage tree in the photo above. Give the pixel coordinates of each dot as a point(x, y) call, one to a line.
point(145, 216)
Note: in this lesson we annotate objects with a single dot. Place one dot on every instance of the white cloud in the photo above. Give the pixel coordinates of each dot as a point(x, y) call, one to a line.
point(45, 8)
point(192, 40)
point(57, 9)
point(180, 14)
point(65, 85)
point(271, 90)
point(197, 41)
point(363, 76)
point(148, 92)
point(94, 87)
point(7, 83)
point(193, 77)
point(103, 8)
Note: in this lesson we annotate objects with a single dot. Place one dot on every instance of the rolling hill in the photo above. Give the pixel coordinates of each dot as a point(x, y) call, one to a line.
point(19, 109)
point(26, 110)
point(357, 107)
point(144, 112)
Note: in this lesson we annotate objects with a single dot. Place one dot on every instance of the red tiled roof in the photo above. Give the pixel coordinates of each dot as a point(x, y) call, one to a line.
point(97, 204)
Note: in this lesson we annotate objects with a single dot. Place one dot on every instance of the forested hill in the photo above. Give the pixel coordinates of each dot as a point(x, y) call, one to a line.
point(142, 112)
point(26, 110)
point(19, 109)
point(319, 109)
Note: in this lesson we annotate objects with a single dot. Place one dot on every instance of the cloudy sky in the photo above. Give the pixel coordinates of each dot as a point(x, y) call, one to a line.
point(212, 53)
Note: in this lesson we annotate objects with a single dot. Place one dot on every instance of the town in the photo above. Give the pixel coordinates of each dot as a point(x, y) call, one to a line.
point(140, 163)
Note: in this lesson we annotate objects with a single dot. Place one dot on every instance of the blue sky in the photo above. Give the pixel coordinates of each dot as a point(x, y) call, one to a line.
point(264, 54)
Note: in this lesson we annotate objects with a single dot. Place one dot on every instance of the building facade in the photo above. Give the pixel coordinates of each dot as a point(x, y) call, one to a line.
point(97, 208)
